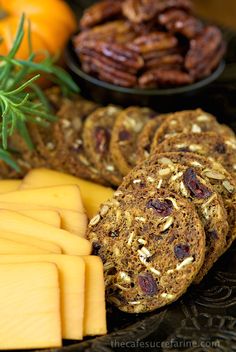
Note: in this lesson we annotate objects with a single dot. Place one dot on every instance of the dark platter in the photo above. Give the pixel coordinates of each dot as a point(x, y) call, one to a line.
point(205, 318)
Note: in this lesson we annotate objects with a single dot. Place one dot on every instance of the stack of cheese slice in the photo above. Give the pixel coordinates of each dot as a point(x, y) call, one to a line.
point(51, 288)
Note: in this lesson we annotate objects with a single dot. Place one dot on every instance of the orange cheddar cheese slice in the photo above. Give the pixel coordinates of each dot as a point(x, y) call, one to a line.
point(29, 306)
point(72, 284)
point(11, 221)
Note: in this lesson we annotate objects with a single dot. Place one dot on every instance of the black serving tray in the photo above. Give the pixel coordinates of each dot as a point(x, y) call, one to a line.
point(159, 99)
point(204, 319)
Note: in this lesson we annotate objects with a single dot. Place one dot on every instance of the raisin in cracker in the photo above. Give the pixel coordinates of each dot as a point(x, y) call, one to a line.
point(126, 130)
point(194, 121)
point(208, 144)
point(96, 136)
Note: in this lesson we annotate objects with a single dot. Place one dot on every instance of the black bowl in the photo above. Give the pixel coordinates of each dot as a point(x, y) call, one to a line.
point(162, 100)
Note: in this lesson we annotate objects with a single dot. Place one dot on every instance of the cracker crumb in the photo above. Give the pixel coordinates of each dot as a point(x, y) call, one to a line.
point(142, 241)
point(159, 184)
point(65, 123)
point(114, 300)
point(110, 168)
point(170, 271)
point(196, 128)
point(137, 181)
point(175, 205)
point(154, 271)
point(213, 174)
point(104, 210)
point(95, 220)
point(167, 295)
point(108, 266)
point(152, 180)
point(203, 118)
point(140, 218)
point(130, 239)
point(177, 176)
point(227, 185)
point(124, 277)
point(121, 287)
point(134, 302)
point(168, 224)
point(164, 172)
point(231, 143)
point(118, 193)
point(195, 148)
point(183, 189)
point(196, 163)
point(186, 261)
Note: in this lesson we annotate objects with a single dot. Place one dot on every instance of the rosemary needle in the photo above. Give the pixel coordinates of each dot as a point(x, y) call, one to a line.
point(19, 91)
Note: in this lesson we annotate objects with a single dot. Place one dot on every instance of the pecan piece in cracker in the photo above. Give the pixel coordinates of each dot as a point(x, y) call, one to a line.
point(178, 21)
point(100, 12)
point(164, 77)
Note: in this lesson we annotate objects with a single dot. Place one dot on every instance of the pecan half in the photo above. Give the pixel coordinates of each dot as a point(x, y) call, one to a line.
point(85, 52)
point(203, 47)
point(167, 60)
point(117, 52)
point(165, 5)
point(206, 67)
point(164, 77)
point(155, 41)
point(100, 12)
point(160, 53)
point(108, 77)
point(138, 11)
point(178, 21)
point(107, 73)
point(119, 31)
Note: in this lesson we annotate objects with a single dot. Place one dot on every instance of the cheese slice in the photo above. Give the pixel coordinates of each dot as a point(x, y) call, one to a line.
point(11, 221)
point(29, 306)
point(95, 307)
point(11, 247)
point(72, 284)
point(9, 185)
point(44, 245)
point(65, 197)
point(50, 217)
point(74, 222)
point(93, 195)
point(71, 220)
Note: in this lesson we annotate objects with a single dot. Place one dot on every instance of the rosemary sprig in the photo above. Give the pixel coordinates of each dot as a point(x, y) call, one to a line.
point(19, 90)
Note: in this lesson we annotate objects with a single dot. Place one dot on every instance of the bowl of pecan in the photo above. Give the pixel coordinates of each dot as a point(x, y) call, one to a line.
point(137, 50)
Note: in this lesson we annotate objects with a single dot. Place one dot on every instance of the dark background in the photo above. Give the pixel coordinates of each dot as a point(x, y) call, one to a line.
point(221, 11)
